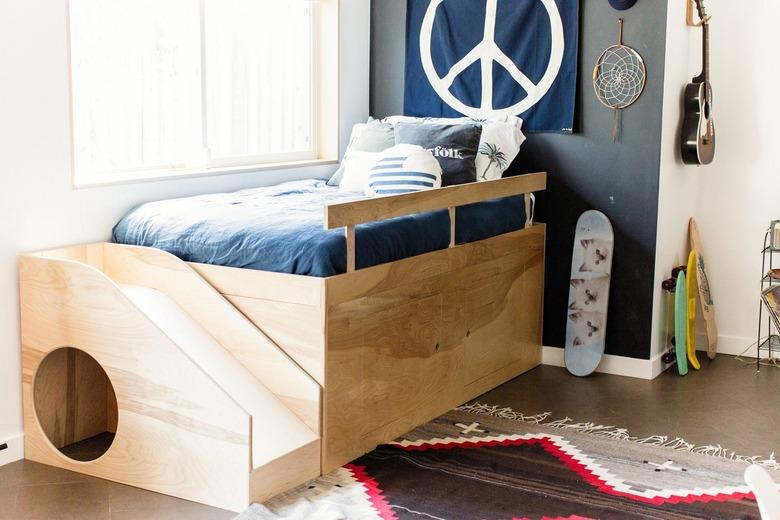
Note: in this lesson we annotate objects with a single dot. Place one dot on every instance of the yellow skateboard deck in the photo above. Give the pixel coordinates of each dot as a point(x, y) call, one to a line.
point(705, 294)
point(691, 290)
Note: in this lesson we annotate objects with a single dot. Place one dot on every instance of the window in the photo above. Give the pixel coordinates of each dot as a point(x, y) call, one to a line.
point(166, 87)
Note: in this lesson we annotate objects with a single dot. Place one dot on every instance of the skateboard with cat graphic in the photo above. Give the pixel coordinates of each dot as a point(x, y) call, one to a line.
point(586, 316)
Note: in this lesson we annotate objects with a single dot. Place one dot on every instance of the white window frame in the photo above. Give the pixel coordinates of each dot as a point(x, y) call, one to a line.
point(325, 121)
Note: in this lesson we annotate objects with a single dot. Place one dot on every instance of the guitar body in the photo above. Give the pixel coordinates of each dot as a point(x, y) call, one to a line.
point(698, 131)
point(697, 144)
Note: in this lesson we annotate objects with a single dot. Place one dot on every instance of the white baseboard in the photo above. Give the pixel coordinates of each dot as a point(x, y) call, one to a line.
point(615, 365)
point(652, 368)
point(657, 366)
point(731, 345)
point(14, 451)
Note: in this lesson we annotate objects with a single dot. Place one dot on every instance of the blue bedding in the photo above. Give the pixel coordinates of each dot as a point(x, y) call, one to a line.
point(279, 228)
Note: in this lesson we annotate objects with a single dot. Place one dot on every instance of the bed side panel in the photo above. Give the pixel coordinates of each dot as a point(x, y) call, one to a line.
point(410, 340)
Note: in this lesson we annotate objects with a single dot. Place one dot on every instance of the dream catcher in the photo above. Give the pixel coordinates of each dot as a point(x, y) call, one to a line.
point(619, 78)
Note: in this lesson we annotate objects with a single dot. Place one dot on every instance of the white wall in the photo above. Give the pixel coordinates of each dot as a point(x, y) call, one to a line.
point(733, 199)
point(678, 183)
point(38, 208)
point(740, 192)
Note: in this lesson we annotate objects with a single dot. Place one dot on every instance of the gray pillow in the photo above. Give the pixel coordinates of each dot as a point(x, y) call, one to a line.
point(455, 147)
point(376, 136)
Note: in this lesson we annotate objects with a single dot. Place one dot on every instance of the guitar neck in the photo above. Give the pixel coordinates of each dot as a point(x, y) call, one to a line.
point(704, 77)
point(706, 52)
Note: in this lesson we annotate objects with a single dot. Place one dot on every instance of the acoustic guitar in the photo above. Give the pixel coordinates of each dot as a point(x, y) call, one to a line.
point(698, 132)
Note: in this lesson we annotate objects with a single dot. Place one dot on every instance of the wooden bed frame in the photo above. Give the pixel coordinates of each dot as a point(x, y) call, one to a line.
point(355, 359)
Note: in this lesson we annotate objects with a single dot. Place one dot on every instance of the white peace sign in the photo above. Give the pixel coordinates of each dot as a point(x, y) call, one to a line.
point(486, 52)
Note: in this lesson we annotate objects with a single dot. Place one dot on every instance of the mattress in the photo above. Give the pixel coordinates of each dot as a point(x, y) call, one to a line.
point(280, 229)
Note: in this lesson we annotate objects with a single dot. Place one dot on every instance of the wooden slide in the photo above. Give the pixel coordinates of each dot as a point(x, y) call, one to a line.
point(132, 345)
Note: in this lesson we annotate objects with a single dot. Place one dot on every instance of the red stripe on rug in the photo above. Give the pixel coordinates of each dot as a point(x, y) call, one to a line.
point(582, 470)
point(373, 491)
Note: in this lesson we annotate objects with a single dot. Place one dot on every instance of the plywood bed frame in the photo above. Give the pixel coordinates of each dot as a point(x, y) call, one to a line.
point(228, 386)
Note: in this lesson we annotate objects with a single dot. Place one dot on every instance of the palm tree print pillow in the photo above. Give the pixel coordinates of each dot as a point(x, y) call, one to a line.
point(454, 146)
point(499, 144)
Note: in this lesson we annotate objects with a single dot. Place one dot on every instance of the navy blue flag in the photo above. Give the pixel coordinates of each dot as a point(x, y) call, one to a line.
point(487, 58)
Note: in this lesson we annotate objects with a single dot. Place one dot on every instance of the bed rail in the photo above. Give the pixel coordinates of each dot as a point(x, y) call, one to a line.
point(350, 214)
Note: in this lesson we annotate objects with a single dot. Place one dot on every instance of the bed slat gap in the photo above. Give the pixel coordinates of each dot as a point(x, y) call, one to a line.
point(349, 233)
point(451, 209)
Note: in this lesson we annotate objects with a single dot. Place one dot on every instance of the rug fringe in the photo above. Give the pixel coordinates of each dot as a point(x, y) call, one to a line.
point(615, 433)
point(504, 413)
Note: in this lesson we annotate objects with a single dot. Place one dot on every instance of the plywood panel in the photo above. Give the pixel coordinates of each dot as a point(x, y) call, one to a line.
point(243, 339)
point(263, 285)
point(285, 472)
point(51, 388)
point(350, 286)
point(178, 433)
point(417, 340)
point(89, 394)
point(297, 329)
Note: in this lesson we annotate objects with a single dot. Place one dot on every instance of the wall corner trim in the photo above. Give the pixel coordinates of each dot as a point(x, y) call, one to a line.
point(615, 365)
point(15, 450)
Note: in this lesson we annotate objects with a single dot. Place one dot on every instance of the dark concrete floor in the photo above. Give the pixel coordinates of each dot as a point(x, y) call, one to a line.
point(725, 403)
point(33, 491)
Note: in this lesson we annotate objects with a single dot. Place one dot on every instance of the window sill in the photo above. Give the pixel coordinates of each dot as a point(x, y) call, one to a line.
point(156, 176)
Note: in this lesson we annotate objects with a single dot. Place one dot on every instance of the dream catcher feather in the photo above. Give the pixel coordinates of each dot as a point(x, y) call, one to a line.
point(619, 78)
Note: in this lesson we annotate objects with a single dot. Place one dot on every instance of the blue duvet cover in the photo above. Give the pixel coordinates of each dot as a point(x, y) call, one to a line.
point(279, 228)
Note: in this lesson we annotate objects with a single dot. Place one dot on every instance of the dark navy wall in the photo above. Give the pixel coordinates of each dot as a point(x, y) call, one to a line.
point(586, 170)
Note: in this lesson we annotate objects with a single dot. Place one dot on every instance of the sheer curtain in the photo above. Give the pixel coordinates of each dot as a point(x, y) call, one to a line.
point(167, 85)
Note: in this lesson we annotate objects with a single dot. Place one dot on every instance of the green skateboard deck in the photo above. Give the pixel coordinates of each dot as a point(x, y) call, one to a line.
point(681, 324)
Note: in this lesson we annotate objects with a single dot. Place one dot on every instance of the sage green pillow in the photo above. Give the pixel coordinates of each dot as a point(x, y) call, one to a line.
point(374, 136)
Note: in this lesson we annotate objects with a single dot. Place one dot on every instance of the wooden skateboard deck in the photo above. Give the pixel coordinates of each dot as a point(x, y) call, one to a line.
point(681, 324)
point(705, 294)
point(591, 270)
point(690, 290)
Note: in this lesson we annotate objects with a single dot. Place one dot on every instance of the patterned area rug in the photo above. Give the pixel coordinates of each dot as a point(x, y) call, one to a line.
point(482, 462)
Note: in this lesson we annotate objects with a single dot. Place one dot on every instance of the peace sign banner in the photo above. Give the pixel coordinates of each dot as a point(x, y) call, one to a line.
point(493, 58)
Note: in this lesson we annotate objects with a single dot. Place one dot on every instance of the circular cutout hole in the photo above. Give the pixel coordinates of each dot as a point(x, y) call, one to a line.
point(75, 404)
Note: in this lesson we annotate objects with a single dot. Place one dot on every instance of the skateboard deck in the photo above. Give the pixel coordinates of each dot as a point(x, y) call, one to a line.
point(591, 270)
point(705, 294)
point(690, 290)
point(680, 324)
point(670, 355)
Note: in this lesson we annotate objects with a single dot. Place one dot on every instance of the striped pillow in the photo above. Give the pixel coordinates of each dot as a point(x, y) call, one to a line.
point(404, 168)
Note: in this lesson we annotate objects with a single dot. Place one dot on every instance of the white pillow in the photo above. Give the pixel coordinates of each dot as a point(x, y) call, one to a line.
point(357, 130)
point(498, 146)
point(372, 136)
point(404, 168)
point(356, 167)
